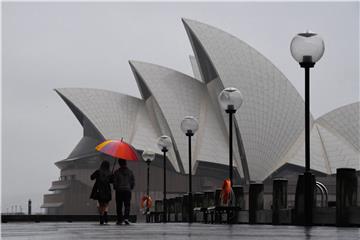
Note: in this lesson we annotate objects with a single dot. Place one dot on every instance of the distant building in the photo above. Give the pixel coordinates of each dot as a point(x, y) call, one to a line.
point(269, 127)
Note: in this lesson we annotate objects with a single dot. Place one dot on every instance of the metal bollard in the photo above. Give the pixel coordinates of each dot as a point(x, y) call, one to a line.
point(185, 207)
point(346, 194)
point(29, 207)
point(256, 200)
point(239, 196)
point(279, 198)
point(304, 180)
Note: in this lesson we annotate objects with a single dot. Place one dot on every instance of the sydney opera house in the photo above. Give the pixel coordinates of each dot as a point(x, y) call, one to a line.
point(268, 128)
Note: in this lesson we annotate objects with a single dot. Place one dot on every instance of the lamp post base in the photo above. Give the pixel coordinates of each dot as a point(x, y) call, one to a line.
point(305, 200)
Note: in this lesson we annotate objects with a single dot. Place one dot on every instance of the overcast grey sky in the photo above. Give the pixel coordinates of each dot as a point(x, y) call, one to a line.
point(53, 45)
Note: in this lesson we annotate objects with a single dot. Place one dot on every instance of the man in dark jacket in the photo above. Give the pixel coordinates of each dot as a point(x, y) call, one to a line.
point(124, 182)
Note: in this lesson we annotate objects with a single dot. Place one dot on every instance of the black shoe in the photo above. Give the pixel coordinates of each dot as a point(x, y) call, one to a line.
point(119, 223)
point(126, 221)
point(101, 220)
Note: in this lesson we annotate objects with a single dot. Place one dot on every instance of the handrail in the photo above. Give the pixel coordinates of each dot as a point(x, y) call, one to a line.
point(324, 191)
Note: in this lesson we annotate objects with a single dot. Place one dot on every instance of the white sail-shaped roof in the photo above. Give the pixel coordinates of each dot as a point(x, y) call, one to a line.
point(340, 132)
point(318, 158)
point(177, 96)
point(333, 142)
point(195, 68)
point(113, 115)
point(271, 117)
point(268, 128)
point(345, 121)
point(339, 152)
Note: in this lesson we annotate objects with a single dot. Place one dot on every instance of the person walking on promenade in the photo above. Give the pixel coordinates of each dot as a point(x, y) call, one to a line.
point(102, 190)
point(124, 182)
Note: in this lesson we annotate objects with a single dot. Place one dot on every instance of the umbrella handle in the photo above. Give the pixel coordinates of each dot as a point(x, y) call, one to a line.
point(113, 166)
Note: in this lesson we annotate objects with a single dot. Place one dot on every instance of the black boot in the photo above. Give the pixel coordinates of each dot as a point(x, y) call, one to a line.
point(105, 217)
point(101, 219)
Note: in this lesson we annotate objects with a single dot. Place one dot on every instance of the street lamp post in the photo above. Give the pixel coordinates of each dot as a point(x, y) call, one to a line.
point(230, 100)
point(307, 48)
point(148, 156)
point(189, 125)
point(164, 143)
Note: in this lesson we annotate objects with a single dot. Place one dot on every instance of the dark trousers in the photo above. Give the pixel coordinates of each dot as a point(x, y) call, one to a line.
point(123, 197)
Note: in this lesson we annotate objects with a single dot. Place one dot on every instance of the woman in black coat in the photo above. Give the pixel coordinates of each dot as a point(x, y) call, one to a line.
point(102, 190)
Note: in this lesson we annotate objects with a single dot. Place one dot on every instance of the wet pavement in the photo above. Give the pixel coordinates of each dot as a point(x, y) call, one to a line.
point(173, 231)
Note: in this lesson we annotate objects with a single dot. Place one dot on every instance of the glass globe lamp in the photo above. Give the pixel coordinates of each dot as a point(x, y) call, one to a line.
point(307, 47)
point(230, 99)
point(148, 155)
point(189, 125)
point(164, 142)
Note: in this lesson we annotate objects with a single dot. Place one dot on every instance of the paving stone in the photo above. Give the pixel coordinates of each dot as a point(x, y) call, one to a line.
point(173, 231)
